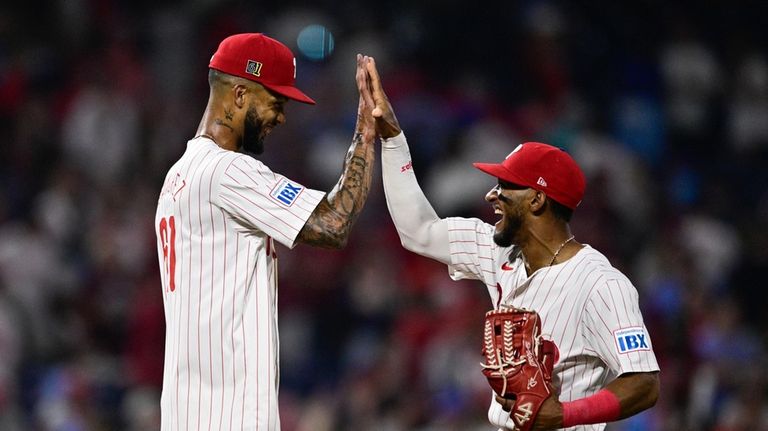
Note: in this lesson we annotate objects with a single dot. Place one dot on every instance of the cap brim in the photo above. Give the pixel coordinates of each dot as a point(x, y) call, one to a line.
point(290, 92)
point(499, 171)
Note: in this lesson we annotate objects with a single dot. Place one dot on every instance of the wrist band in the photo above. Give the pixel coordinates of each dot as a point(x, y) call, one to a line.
point(394, 141)
point(599, 408)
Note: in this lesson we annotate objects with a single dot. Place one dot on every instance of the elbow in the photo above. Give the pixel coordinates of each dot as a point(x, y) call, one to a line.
point(336, 239)
point(422, 237)
point(405, 242)
point(332, 241)
point(324, 236)
point(650, 388)
point(329, 243)
point(410, 243)
point(654, 390)
point(638, 392)
point(420, 245)
point(340, 242)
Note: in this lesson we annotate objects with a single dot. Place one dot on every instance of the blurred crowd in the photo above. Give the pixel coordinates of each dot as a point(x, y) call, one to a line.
point(665, 106)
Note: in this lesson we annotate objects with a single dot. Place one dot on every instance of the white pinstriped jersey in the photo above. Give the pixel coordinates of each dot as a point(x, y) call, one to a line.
point(587, 307)
point(218, 217)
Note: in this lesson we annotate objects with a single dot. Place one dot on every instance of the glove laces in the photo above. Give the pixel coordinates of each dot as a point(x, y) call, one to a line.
point(501, 364)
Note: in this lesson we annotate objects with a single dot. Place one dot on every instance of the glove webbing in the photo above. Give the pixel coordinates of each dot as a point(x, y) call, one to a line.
point(500, 363)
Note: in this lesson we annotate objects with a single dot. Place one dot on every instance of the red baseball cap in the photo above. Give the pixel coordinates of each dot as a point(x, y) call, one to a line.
point(541, 167)
point(260, 58)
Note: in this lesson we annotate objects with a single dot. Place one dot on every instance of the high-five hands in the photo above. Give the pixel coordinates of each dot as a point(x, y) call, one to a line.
point(387, 125)
point(365, 122)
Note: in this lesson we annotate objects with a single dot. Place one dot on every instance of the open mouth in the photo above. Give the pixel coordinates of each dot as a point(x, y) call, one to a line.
point(497, 210)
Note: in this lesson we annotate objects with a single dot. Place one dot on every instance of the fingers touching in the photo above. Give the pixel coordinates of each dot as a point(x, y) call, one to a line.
point(364, 82)
point(387, 125)
point(374, 103)
point(365, 121)
point(378, 92)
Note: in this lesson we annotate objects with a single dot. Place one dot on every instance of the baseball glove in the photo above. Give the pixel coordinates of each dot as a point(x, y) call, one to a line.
point(518, 361)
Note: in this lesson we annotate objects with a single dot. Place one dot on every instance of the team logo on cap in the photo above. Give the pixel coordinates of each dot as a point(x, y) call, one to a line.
point(253, 67)
point(542, 182)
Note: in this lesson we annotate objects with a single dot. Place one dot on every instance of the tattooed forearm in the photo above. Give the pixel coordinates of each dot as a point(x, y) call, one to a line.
point(350, 200)
point(331, 222)
point(317, 230)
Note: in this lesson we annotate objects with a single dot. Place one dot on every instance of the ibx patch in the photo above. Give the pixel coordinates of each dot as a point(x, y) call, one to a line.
point(631, 339)
point(286, 192)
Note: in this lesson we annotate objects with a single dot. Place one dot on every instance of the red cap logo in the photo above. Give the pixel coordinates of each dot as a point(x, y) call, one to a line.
point(260, 58)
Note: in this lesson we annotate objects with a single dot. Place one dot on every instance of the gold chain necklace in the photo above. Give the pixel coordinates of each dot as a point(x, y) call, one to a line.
point(560, 249)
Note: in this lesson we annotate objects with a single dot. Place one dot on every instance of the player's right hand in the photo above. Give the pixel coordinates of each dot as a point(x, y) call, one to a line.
point(387, 125)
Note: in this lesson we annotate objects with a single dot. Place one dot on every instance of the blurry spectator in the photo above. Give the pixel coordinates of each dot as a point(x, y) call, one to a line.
point(693, 78)
point(11, 352)
point(716, 247)
point(748, 105)
point(34, 275)
point(101, 134)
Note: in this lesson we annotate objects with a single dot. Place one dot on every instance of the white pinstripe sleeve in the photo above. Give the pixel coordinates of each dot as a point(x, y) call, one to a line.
point(473, 252)
point(257, 198)
point(614, 328)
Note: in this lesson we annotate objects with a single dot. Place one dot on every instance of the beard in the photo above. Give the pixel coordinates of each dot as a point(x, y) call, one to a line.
point(511, 222)
point(506, 237)
point(253, 136)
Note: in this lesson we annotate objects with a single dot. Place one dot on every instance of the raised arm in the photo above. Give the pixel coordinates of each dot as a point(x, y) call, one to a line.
point(330, 223)
point(420, 228)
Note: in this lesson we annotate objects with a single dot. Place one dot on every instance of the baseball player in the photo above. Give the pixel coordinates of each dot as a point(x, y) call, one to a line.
point(219, 216)
point(530, 259)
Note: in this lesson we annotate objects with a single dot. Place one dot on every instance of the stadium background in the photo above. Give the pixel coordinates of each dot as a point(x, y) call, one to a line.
point(665, 105)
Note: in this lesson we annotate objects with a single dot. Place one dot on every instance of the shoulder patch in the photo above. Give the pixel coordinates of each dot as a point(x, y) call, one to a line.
point(286, 192)
point(631, 339)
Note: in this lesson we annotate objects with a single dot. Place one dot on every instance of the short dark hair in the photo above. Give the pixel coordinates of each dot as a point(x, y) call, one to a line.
point(215, 77)
point(219, 79)
point(560, 211)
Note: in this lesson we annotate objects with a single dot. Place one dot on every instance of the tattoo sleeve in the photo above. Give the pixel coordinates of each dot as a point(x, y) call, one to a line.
point(330, 224)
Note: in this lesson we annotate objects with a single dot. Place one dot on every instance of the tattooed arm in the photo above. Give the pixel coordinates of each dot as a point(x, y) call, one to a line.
point(330, 223)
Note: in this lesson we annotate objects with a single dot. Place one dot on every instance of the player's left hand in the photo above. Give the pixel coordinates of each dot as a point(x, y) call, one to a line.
point(550, 415)
point(366, 125)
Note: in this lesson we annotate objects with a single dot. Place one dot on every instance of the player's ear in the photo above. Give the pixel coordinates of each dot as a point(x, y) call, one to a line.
point(240, 92)
point(537, 200)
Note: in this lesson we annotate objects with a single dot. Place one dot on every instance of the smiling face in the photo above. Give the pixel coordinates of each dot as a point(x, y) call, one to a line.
point(265, 113)
point(507, 201)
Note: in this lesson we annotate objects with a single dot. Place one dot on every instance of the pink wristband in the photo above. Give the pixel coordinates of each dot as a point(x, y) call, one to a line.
point(599, 408)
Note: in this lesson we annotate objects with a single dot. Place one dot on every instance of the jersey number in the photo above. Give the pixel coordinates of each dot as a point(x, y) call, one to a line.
point(167, 231)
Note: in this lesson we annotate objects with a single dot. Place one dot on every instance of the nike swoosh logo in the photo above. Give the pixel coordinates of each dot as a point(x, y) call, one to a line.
point(506, 267)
